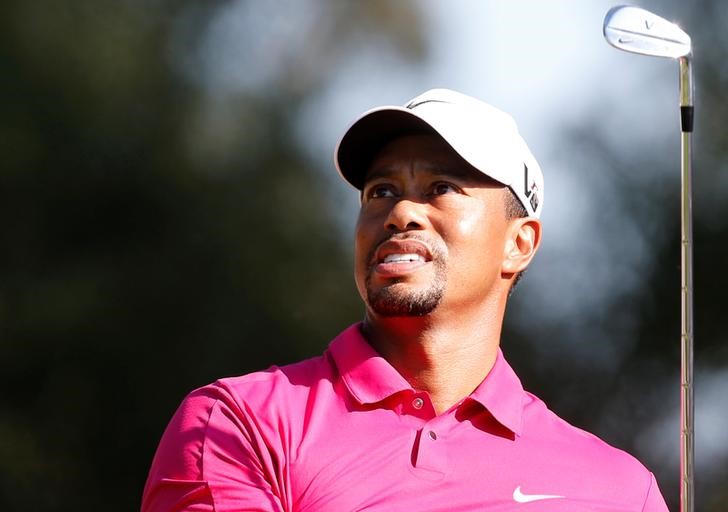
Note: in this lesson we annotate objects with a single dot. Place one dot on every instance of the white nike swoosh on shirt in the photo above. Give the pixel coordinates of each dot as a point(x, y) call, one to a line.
point(520, 497)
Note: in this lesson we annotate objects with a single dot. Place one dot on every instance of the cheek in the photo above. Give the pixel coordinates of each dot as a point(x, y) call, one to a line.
point(469, 223)
point(478, 236)
point(359, 258)
point(362, 248)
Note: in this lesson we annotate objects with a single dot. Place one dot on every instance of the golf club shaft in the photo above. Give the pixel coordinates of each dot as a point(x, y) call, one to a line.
point(687, 409)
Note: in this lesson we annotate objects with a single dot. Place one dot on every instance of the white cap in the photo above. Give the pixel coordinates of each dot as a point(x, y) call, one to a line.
point(482, 135)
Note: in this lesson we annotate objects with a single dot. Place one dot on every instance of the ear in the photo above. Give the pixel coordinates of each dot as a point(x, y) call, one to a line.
point(522, 241)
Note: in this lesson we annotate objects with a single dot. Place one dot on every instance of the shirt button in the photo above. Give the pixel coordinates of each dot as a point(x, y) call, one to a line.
point(417, 403)
point(432, 435)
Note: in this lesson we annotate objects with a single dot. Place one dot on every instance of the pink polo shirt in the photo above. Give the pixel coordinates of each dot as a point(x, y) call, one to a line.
point(344, 431)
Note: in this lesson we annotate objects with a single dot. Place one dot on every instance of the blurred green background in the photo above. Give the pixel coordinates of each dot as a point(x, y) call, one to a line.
point(168, 219)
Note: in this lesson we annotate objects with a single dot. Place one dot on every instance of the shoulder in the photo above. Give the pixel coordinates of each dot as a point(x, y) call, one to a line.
point(233, 399)
point(541, 420)
point(238, 425)
point(612, 472)
point(277, 384)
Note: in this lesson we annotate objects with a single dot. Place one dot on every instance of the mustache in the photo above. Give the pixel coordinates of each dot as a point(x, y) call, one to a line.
point(436, 247)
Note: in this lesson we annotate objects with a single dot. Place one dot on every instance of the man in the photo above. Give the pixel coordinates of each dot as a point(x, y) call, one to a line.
point(415, 408)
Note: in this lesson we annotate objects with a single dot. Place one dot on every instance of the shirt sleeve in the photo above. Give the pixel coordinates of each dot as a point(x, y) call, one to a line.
point(654, 501)
point(211, 458)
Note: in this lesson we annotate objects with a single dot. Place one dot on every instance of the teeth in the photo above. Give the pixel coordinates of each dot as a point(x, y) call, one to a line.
point(396, 258)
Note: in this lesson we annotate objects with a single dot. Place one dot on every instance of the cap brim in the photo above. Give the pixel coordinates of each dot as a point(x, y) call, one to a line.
point(367, 135)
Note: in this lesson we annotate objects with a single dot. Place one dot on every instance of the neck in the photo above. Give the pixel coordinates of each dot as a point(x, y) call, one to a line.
point(445, 355)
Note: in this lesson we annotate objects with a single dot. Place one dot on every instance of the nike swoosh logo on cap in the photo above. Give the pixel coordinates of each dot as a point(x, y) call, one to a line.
point(520, 497)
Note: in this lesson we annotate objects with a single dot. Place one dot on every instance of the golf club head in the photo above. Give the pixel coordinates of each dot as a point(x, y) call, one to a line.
point(637, 30)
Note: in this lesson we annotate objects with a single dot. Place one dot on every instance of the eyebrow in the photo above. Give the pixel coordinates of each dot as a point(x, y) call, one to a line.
point(462, 172)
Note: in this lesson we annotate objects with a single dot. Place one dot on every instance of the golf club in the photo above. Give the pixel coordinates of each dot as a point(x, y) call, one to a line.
point(639, 31)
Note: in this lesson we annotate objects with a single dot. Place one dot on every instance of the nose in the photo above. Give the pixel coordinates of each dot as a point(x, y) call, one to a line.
point(405, 215)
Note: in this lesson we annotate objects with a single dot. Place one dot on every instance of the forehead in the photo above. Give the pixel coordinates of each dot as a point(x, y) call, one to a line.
point(422, 152)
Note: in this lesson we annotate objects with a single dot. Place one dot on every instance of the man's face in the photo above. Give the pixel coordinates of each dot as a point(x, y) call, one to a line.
point(431, 231)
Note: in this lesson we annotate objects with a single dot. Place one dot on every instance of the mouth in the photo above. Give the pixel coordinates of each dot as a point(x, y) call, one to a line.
point(398, 257)
point(402, 258)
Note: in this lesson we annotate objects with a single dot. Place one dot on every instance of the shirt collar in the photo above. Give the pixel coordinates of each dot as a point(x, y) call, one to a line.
point(366, 374)
point(502, 394)
point(370, 379)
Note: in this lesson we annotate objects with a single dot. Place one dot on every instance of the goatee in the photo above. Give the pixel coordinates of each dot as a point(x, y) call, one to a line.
point(395, 299)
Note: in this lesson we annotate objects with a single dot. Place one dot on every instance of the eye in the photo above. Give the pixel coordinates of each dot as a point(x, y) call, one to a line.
point(442, 187)
point(380, 190)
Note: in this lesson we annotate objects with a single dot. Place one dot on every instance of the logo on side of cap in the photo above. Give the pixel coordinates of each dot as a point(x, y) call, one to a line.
point(530, 190)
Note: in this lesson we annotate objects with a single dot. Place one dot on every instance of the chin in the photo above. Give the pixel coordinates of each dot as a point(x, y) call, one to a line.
point(392, 301)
